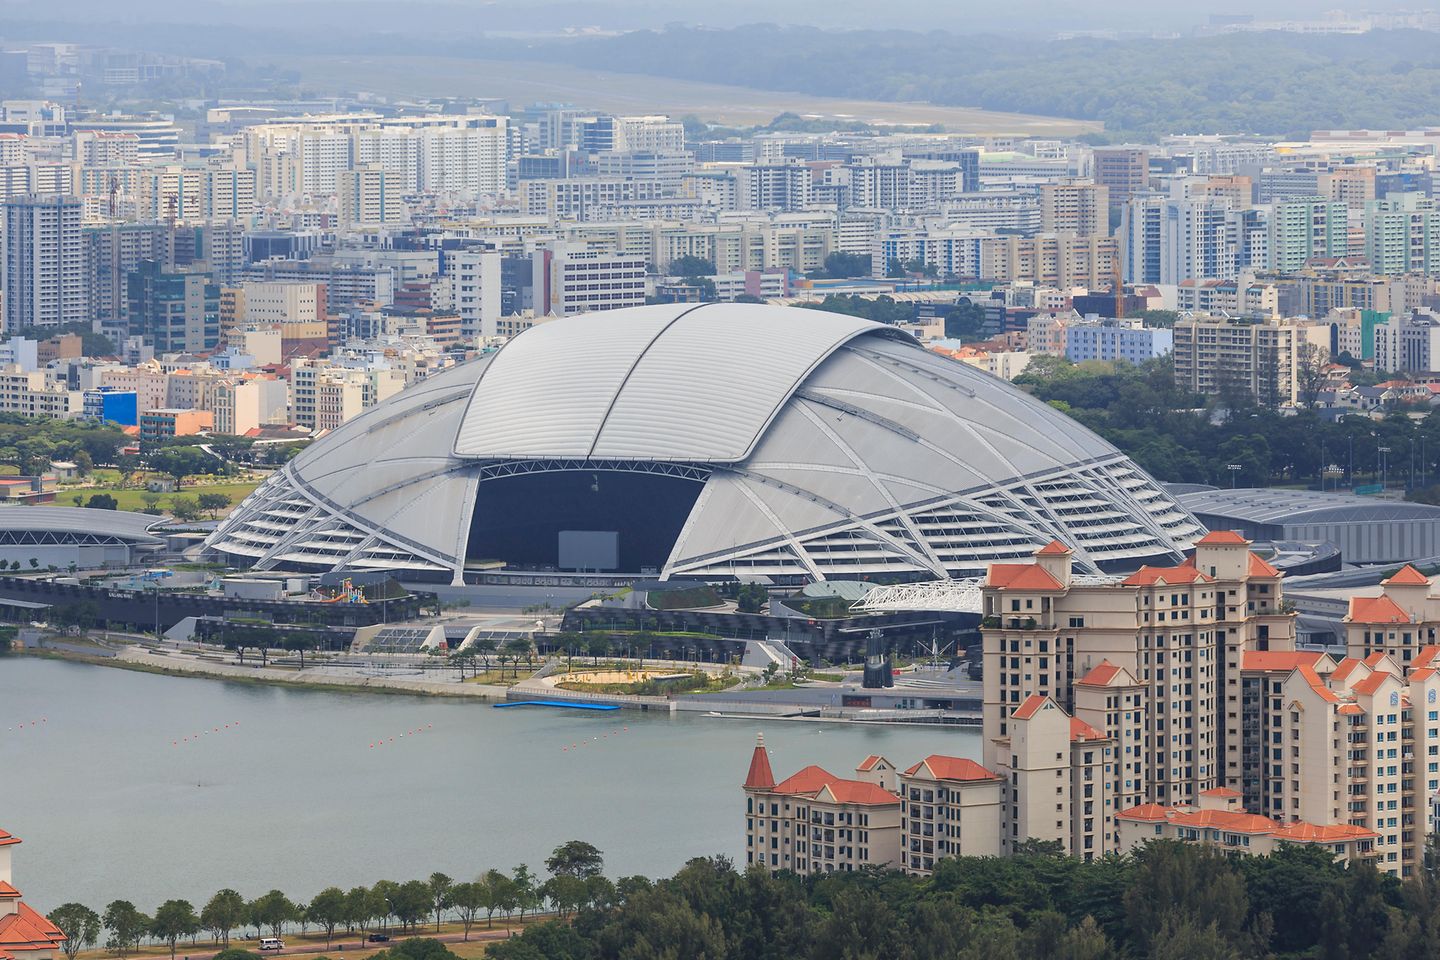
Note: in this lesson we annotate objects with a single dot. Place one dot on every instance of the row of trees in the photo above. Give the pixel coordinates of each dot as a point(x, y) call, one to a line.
point(1169, 901)
point(575, 881)
point(1179, 436)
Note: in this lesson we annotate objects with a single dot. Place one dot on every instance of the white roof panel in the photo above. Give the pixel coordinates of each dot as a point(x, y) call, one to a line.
point(649, 383)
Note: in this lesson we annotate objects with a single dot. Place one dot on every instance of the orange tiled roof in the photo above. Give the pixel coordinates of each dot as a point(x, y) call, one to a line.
point(6, 839)
point(1374, 660)
point(1426, 656)
point(869, 762)
point(1370, 684)
point(28, 930)
point(1423, 673)
point(1080, 730)
point(1148, 576)
point(1316, 684)
point(7, 892)
point(1100, 675)
point(1217, 537)
point(1408, 576)
point(1052, 549)
point(760, 777)
point(1346, 667)
point(1224, 820)
point(1302, 832)
point(1146, 811)
point(808, 780)
point(1021, 576)
point(1259, 568)
point(859, 791)
point(1376, 610)
point(1225, 792)
point(1278, 659)
point(1350, 709)
point(953, 768)
point(1029, 708)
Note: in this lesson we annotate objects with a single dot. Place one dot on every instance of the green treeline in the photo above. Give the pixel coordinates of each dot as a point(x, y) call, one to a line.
point(1179, 437)
point(1274, 84)
point(1170, 901)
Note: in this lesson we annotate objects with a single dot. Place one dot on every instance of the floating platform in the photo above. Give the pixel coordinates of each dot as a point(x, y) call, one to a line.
point(558, 703)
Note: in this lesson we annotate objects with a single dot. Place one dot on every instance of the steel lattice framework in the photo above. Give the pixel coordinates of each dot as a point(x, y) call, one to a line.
point(945, 596)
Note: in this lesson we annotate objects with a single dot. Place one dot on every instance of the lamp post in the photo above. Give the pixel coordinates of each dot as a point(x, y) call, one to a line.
point(1234, 469)
point(1384, 465)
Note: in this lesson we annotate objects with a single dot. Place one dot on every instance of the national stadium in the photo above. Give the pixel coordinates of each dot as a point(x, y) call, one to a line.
point(708, 441)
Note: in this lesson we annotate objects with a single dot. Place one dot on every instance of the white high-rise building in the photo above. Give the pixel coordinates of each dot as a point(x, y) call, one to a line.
point(44, 262)
point(573, 278)
point(475, 286)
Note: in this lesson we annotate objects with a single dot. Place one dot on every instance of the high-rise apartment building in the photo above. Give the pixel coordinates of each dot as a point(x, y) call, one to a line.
point(1075, 207)
point(1218, 356)
point(1123, 171)
point(1402, 235)
point(475, 287)
point(370, 196)
point(1303, 229)
point(44, 262)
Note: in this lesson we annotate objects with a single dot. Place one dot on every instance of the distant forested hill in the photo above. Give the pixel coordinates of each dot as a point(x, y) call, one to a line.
point(1273, 84)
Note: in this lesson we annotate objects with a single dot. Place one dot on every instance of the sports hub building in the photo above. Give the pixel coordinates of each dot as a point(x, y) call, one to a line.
point(714, 441)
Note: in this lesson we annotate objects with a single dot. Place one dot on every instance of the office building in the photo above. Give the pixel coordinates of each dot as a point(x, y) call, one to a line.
point(572, 278)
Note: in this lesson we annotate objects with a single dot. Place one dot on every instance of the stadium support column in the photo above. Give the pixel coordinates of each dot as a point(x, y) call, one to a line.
point(877, 664)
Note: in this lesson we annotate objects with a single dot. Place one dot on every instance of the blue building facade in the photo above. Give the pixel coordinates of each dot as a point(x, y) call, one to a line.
point(113, 404)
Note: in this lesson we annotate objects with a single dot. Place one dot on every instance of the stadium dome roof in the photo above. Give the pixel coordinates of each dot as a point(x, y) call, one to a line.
point(777, 441)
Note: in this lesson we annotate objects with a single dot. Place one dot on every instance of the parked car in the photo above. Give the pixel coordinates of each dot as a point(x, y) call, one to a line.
point(379, 938)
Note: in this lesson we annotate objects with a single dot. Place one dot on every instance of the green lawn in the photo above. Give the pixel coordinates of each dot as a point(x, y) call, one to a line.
point(134, 497)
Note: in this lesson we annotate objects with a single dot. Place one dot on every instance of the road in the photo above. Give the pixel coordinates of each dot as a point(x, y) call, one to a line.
point(343, 945)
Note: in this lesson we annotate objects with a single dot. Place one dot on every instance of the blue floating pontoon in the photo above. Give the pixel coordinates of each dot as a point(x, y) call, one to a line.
point(558, 703)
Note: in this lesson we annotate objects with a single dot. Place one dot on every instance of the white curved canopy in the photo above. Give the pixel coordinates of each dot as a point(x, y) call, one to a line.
point(650, 383)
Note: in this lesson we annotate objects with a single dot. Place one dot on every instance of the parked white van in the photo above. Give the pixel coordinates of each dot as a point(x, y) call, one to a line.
point(272, 943)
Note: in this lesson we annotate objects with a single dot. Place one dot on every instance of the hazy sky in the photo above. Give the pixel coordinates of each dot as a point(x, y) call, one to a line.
point(547, 16)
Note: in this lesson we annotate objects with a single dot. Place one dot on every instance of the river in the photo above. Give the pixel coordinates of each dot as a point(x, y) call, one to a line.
point(289, 789)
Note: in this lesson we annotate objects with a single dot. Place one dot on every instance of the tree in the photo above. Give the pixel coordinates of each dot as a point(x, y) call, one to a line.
point(575, 858)
point(224, 912)
point(274, 910)
point(525, 891)
point(440, 887)
point(1310, 363)
point(468, 898)
point(410, 902)
point(79, 923)
point(101, 501)
point(180, 462)
point(327, 910)
point(362, 906)
point(566, 892)
point(417, 948)
point(126, 925)
point(173, 920)
point(151, 501)
point(843, 266)
point(964, 321)
point(185, 508)
point(691, 267)
point(213, 503)
point(597, 644)
point(496, 893)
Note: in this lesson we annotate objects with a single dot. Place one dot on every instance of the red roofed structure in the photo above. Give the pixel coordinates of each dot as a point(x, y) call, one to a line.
point(1222, 538)
point(25, 934)
point(760, 776)
point(1376, 610)
point(1021, 576)
point(1407, 576)
point(1053, 549)
point(952, 768)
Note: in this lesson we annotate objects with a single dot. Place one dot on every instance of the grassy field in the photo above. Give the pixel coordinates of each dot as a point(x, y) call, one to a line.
point(133, 497)
point(522, 82)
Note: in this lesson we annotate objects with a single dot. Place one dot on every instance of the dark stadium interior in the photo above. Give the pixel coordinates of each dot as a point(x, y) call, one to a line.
point(519, 519)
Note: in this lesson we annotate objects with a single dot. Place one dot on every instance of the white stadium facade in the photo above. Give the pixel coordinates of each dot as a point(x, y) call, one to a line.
point(707, 441)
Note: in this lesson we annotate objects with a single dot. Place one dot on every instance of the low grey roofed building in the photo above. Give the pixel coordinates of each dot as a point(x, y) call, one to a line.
point(1366, 529)
point(88, 538)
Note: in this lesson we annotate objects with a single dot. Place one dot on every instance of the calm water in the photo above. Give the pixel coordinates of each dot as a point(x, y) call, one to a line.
point(112, 802)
